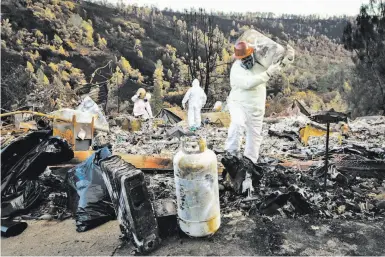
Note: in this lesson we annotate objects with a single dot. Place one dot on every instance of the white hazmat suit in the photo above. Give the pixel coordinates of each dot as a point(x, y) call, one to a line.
point(246, 104)
point(142, 107)
point(196, 99)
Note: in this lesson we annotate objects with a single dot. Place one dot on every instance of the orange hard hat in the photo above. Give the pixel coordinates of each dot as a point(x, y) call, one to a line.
point(242, 50)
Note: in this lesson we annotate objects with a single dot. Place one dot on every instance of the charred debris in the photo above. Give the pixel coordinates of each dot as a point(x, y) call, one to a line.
point(323, 165)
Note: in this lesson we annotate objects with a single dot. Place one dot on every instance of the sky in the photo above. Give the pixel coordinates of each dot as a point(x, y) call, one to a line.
point(321, 7)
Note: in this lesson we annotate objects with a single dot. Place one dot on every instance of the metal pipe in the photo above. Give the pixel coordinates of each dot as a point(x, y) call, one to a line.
point(327, 153)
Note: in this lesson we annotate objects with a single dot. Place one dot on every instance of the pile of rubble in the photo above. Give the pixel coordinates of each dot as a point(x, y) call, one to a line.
point(292, 172)
point(288, 181)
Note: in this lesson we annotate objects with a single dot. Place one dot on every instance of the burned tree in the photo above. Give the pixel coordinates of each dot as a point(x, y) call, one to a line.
point(205, 43)
point(366, 38)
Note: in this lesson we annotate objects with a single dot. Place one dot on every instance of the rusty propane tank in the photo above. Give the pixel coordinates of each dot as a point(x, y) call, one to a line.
point(196, 179)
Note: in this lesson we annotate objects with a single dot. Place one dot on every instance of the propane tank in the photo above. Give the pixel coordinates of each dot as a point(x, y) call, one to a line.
point(196, 180)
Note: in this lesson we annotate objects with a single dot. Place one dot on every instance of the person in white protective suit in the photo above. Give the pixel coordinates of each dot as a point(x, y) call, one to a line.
point(142, 107)
point(246, 101)
point(196, 99)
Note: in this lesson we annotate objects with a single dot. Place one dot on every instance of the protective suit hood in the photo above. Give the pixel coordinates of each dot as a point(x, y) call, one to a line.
point(195, 83)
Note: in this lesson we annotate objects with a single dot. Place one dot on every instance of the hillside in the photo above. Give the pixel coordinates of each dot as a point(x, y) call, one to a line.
point(55, 51)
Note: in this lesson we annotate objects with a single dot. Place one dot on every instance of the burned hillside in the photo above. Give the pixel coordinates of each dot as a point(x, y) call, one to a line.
point(81, 47)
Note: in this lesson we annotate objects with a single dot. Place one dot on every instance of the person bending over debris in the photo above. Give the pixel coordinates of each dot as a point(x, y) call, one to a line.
point(196, 98)
point(246, 101)
point(142, 107)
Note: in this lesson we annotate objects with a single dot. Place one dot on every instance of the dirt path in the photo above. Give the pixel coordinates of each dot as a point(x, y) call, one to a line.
point(238, 235)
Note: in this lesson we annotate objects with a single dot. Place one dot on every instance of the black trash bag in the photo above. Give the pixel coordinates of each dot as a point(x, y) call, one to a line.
point(237, 169)
point(30, 195)
point(21, 164)
point(94, 205)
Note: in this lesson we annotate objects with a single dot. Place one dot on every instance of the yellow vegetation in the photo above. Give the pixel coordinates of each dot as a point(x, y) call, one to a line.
point(84, 51)
point(347, 87)
point(65, 75)
point(102, 42)
point(54, 67)
point(52, 48)
point(35, 43)
point(310, 99)
point(57, 40)
point(62, 51)
point(30, 67)
point(46, 80)
point(125, 65)
point(45, 13)
point(76, 71)
point(71, 45)
point(89, 31)
point(38, 34)
point(140, 54)
point(66, 64)
point(137, 43)
point(337, 103)
point(225, 56)
point(32, 56)
point(70, 5)
point(117, 77)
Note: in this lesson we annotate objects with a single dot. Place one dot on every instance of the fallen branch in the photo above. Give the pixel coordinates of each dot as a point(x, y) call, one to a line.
point(93, 74)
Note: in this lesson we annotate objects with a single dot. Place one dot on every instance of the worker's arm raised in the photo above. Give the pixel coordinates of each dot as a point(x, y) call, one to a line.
point(134, 98)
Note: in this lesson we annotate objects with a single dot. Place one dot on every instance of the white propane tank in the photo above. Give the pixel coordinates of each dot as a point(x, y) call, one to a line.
point(267, 52)
point(197, 193)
